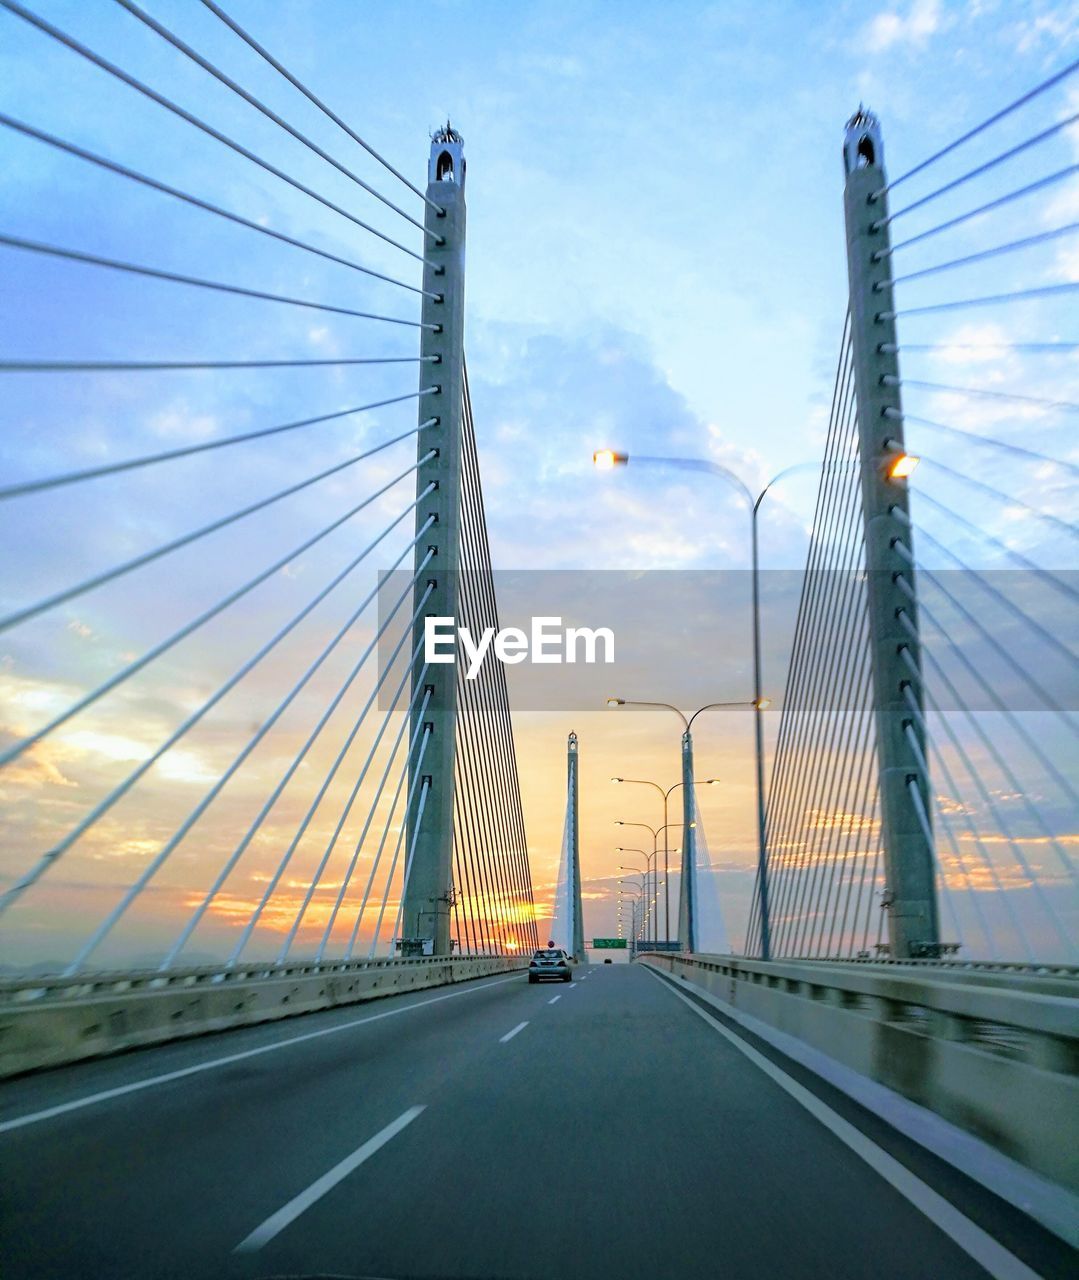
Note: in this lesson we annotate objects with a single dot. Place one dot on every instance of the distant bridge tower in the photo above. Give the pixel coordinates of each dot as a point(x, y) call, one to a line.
point(425, 923)
point(911, 901)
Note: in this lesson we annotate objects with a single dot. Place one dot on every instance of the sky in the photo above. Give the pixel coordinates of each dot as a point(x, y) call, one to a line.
point(655, 263)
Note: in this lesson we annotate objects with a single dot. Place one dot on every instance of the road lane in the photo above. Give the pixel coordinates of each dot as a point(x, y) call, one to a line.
point(287, 1214)
point(619, 1137)
point(975, 1242)
point(164, 1064)
point(612, 1135)
point(166, 1181)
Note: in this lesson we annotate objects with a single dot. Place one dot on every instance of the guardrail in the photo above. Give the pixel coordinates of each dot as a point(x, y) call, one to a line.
point(994, 1050)
point(1024, 968)
point(46, 1021)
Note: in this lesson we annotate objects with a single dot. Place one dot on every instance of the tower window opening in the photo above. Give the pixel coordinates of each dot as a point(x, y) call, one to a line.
point(444, 168)
point(865, 151)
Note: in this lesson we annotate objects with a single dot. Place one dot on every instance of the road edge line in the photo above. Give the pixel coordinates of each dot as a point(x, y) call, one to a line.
point(975, 1242)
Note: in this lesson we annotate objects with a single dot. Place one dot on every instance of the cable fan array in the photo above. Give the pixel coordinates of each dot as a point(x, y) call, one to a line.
point(205, 751)
point(990, 385)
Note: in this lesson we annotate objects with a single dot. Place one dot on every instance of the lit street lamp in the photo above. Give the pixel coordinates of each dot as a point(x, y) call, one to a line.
point(902, 464)
point(650, 907)
point(607, 459)
point(629, 890)
point(687, 927)
point(644, 782)
point(655, 833)
point(649, 864)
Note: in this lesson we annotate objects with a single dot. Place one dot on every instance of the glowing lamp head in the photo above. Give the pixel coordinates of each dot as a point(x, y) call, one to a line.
point(616, 702)
point(762, 704)
point(902, 466)
point(608, 459)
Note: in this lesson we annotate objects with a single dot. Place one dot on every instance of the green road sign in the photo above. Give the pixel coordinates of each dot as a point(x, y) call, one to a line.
point(609, 944)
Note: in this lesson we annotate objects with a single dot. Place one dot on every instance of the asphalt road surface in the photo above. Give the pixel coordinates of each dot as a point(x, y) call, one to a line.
point(610, 1127)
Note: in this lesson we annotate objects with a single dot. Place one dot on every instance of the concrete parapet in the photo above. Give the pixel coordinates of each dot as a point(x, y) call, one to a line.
point(46, 1022)
point(997, 1058)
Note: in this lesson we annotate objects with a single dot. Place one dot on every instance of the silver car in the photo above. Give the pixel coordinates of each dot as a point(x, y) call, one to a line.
point(550, 962)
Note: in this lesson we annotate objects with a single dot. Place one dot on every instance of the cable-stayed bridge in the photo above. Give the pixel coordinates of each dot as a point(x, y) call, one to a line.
point(239, 789)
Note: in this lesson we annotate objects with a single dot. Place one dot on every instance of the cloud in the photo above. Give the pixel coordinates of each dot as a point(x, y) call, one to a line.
point(324, 340)
point(179, 765)
point(1055, 26)
point(36, 768)
point(544, 402)
point(1066, 266)
point(974, 344)
point(563, 66)
point(180, 422)
point(922, 20)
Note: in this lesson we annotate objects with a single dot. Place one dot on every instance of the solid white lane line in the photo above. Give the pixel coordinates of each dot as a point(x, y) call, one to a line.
point(975, 1242)
point(510, 1034)
point(553, 999)
point(77, 1104)
point(278, 1221)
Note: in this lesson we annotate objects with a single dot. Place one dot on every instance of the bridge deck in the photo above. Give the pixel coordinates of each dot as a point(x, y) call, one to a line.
point(616, 1134)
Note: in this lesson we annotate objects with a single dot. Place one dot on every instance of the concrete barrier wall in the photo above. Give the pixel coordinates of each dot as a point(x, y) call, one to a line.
point(998, 1058)
point(49, 1022)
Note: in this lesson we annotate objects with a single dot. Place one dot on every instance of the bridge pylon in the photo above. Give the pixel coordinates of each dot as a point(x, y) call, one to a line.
point(905, 799)
point(428, 893)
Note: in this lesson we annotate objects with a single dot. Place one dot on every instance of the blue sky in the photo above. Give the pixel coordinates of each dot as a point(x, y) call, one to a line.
point(655, 261)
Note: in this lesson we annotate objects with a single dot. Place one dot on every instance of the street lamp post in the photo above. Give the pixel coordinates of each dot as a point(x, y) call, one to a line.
point(649, 868)
point(649, 907)
point(655, 838)
point(655, 833)
point(632, 917)
point(645, 782)
point(687, 929)
point(653, 897)
point(624, 890)
point(606, 459)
